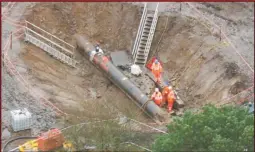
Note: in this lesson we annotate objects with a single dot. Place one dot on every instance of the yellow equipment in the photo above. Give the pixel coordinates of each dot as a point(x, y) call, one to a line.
point(29, 145)
point(68, 146)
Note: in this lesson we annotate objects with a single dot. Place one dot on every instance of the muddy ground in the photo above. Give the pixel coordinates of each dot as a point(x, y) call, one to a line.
point(194, 61)
point(198, 64)
point(191, 54)
point(83, 87)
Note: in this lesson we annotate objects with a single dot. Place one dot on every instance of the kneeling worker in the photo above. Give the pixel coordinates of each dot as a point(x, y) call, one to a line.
point(97, 50)
point(157, 97)
point(165, 93)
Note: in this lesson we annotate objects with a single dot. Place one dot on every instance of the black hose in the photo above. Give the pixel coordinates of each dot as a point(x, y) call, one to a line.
point(23, 137)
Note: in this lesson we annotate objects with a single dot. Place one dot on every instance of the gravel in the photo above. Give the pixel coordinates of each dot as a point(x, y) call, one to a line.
point(6, 134)
point(14, 94)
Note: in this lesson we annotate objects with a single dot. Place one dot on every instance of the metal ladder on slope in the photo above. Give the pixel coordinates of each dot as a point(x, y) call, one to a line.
point(144, 36)
point(56, 47)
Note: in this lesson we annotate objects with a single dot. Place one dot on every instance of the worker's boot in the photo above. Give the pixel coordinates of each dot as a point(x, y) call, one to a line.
point(170, 108)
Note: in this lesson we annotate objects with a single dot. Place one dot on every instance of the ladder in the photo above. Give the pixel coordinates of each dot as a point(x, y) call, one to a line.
point(54, 46)
point(145, 33)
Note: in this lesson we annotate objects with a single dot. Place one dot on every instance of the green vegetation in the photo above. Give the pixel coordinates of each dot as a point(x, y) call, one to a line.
point(215, 129)
point(108, 136)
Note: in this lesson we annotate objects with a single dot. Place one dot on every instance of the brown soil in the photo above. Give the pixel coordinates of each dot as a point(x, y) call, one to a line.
point(84, 91)
point(191, 55)
point(193, 59)
point(114, 25)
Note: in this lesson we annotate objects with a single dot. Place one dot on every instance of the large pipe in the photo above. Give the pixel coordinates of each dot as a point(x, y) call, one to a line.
point(119, 79)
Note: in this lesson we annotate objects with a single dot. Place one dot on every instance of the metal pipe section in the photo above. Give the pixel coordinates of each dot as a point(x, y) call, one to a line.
point(119, 79)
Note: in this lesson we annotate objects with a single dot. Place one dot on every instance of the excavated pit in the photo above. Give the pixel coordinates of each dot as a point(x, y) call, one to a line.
point(191, 55)
point(192, 59)
point(84, 91)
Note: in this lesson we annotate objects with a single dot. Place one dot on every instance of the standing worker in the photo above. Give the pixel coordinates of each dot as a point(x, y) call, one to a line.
point(157, 70)
point(157, 97)
point(170, 99)
point(165, 93)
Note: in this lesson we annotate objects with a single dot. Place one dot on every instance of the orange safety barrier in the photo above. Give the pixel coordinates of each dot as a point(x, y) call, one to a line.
point(50, 140)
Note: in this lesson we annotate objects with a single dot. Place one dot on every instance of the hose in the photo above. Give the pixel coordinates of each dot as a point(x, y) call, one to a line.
point(12, 140)
point(156, 51)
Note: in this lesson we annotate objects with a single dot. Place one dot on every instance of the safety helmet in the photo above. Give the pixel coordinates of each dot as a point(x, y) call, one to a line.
point(97, 47)
point(170, 87)
point(156, 90)
point(156, 61)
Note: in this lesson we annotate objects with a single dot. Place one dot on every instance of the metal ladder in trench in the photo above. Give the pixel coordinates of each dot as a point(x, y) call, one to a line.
point(145, 35)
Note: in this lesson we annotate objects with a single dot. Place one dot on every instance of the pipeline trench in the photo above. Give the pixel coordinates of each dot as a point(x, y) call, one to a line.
point(197, 63)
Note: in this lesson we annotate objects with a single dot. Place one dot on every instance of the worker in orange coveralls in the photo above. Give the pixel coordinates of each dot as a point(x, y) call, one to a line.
point(157, 97)
point(157, 70)
point(170, 99)
point(165, 93)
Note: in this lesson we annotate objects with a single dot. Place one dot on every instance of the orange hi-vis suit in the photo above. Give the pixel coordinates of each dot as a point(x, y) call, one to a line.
point(157, 70)
point(165, 93)
point(170, 100)
point(157, 98)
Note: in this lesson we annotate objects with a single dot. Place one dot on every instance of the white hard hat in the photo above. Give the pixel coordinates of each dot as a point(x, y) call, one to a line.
point(170, 87)
point(156, 90)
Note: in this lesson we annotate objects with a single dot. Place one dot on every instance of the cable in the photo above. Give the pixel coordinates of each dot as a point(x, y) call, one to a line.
point(128, 142)
point(14, 67)
point(12, 140)
point(70, 127)
point(12, 71)
point(54, 107)
point(25, 82)
point(223, 35)
point(149, 126)
point(241, 101)
point(226, 99)
point(156, 52)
